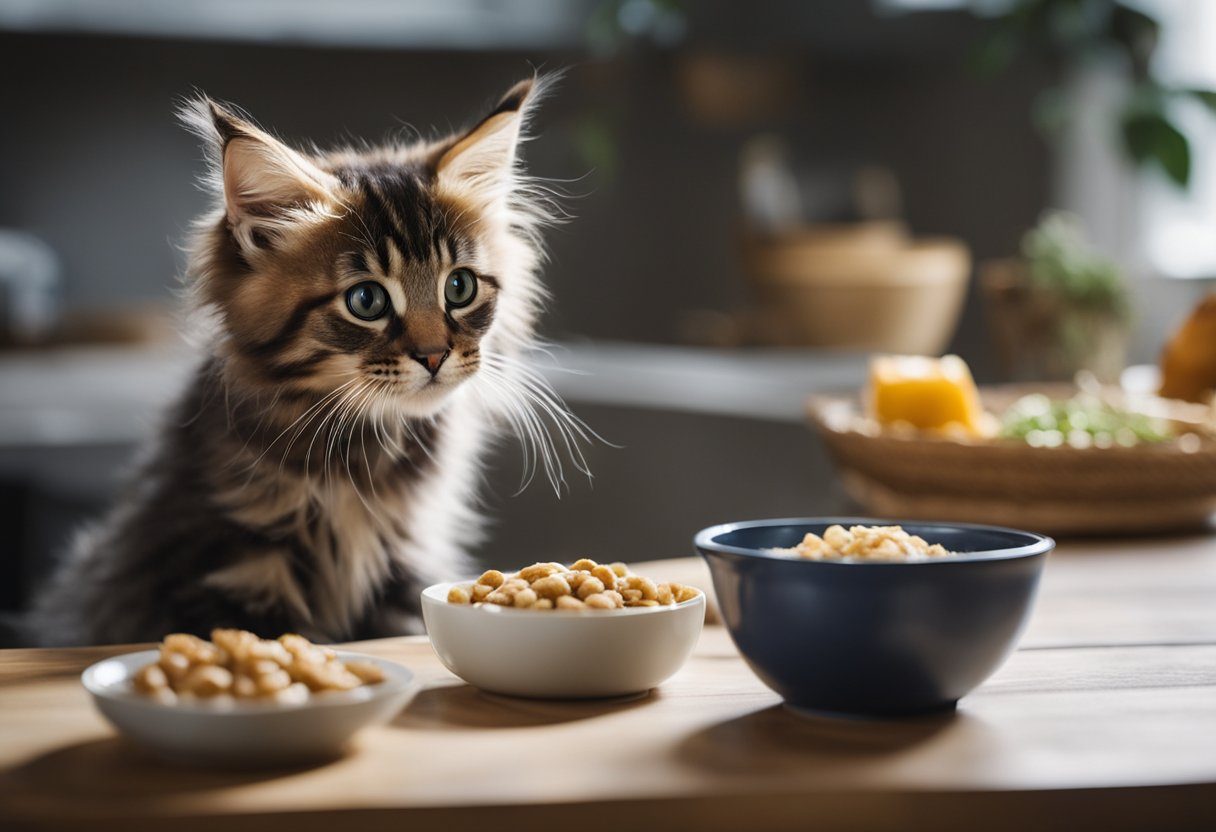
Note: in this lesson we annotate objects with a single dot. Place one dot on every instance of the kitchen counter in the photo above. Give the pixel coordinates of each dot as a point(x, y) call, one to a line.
point(109, 395)
point(1105, 717)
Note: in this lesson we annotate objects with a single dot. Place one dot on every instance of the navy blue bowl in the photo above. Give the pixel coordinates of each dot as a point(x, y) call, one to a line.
point(877, 638)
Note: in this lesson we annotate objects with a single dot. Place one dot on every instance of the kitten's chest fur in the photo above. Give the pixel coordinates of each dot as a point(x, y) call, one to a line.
point(234, 521)
point(366, 512)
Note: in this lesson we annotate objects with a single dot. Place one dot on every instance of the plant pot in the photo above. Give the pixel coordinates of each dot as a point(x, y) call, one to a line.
point(1041, 336)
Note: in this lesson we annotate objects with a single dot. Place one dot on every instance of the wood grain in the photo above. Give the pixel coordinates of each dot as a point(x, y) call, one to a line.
point(1106, 715)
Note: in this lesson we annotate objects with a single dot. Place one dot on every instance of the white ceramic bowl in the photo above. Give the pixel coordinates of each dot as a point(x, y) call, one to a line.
point(245, 733)
point(551, 654)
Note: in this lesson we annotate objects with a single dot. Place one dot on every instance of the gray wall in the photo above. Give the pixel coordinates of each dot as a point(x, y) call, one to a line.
point(92, 161)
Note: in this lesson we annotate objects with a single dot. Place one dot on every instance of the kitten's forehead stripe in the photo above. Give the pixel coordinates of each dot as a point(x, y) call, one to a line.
point(437, 242)
point(396, 258)
point(399, 207)
point(391, 218)
point(376, 219)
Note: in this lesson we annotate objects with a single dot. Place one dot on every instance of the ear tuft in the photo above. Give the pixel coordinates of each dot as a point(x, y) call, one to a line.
point(515, 98)
point(480, 164)
point(227, 124)
point(264, 182)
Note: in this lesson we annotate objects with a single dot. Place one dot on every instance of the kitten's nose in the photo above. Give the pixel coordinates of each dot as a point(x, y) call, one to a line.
point(432, 359)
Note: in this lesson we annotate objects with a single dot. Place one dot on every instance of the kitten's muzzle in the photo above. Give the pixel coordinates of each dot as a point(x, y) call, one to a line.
point(432, 360)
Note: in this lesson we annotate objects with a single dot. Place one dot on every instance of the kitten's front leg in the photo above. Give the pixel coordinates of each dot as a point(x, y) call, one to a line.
point(200, 610)
point(389, 622)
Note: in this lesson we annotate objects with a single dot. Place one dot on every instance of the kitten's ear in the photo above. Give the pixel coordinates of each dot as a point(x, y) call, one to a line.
point(481, 163)
point(263, 181)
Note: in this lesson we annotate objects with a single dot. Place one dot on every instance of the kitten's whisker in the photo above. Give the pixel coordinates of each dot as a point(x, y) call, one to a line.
point(383, 396)
point(371, 479)
point(563, 418)
point(569, 426)
point(351, 417)
point(534, 432)
point(330, 409)
point(531, 430)
point(326, 424)
point(544, 393)
point(533, 410)
point(306, 414)
point(332, 433)
point(506, 406)
point(568, 437)
point(392, 426)
point(409, 429)
point(358, 412)
point(335, 431)
point(335, 406)
point(316, 405)
point(393, 447)
point(376, 417)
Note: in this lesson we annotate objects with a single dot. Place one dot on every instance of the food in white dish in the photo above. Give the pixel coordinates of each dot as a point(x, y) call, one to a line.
point(236, 664)
point(583, 585)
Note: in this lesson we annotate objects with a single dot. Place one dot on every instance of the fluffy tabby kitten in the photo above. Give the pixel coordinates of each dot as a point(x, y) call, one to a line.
point(369, 306)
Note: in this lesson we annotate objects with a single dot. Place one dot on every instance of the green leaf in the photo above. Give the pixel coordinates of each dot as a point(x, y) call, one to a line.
point(1151, 137)
point(1138, 137)
point(1205, 97)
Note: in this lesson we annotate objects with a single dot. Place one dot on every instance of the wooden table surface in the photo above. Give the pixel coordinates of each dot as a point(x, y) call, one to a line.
point(1106, 713)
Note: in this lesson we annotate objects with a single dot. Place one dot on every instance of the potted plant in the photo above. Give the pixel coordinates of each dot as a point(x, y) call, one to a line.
point(1061, 308)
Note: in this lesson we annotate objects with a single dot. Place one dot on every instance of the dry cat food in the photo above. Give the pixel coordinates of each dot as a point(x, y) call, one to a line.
point(582, 585)
point(237, 664)
point(877, 543)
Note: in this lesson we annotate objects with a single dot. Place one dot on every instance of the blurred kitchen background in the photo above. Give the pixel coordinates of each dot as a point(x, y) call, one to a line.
point(762, 194)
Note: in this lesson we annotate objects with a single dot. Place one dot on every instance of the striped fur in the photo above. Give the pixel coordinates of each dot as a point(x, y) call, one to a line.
point(315, 475)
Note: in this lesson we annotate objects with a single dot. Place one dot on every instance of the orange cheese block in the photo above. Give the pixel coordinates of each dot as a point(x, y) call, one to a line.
point(935, 394)
point(1188, 364)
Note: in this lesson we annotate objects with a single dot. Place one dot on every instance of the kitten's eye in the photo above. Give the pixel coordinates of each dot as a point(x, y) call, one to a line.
point(460, 288)
point(367, 301)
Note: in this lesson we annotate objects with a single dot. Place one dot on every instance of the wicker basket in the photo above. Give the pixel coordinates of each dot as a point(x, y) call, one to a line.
point(1055, 490)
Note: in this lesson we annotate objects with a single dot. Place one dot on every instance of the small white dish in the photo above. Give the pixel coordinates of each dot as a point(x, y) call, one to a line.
point(561, 654)
point(239, 733)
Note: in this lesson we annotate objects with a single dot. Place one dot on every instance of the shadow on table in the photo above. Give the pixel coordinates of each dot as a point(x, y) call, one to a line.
point(113, 768)
point(464, 706)
point(774, 740)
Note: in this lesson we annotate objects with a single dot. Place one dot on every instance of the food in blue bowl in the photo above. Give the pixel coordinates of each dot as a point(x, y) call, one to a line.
point(868, 618)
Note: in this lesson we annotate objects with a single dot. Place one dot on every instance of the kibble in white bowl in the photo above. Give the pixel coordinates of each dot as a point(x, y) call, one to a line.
point(559, 652)
point(184, 701)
